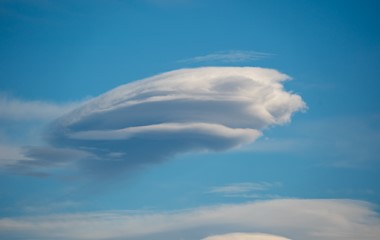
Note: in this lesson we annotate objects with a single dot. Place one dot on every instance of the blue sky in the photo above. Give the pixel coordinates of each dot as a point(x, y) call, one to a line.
point(199, 146)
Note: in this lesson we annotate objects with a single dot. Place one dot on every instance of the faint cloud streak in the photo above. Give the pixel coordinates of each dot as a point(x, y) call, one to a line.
point(244, 187)
point(233, 56)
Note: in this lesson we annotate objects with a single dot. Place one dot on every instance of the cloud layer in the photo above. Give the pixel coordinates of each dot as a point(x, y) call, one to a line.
point(201, 109)
point(288, 218)
point(21, 124)
point(155, 119)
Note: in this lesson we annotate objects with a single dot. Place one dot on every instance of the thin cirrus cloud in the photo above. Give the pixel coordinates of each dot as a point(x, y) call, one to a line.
point(14, 109)
point(187, 110)
point(244, 187)
point(232, 56)
point(313, 219)
point(253, 190)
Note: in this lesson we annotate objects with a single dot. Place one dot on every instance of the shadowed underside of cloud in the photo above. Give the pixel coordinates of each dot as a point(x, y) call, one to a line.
point(282, 219)
point(21, 123)
point(151, 120)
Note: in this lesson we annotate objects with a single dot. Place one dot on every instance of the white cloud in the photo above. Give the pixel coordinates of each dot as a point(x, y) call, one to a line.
point(233, 56)
point(15, 109)
point(293, 218)
point(201, 109)
point(152, 120)
point(245, 236)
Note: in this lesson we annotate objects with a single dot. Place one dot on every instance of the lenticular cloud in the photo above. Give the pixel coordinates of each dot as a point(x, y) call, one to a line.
point(200, 109)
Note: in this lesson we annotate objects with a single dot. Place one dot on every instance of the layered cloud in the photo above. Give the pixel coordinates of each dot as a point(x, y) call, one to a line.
point(201, 109)
point(21, 124)
point(279, 219)
point(154, 119)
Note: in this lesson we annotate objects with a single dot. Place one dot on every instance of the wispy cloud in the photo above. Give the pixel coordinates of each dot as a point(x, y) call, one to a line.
point(244, 187)
point(233, 56)
point(188, 110)
point(293, 218)
point(15, 109)
point(22, 123)
point(10, 154)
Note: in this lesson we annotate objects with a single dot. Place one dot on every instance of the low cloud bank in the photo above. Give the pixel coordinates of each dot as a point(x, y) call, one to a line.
point(313, 219)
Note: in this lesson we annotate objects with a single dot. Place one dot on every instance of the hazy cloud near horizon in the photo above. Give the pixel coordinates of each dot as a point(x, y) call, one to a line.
point(313, 219)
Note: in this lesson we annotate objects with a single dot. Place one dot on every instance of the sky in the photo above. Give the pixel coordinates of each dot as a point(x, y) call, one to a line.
point(189, 119)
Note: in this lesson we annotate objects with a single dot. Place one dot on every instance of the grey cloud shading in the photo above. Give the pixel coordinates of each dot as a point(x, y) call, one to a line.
point(21, 124)
point(36, 161)
point(187, 110)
